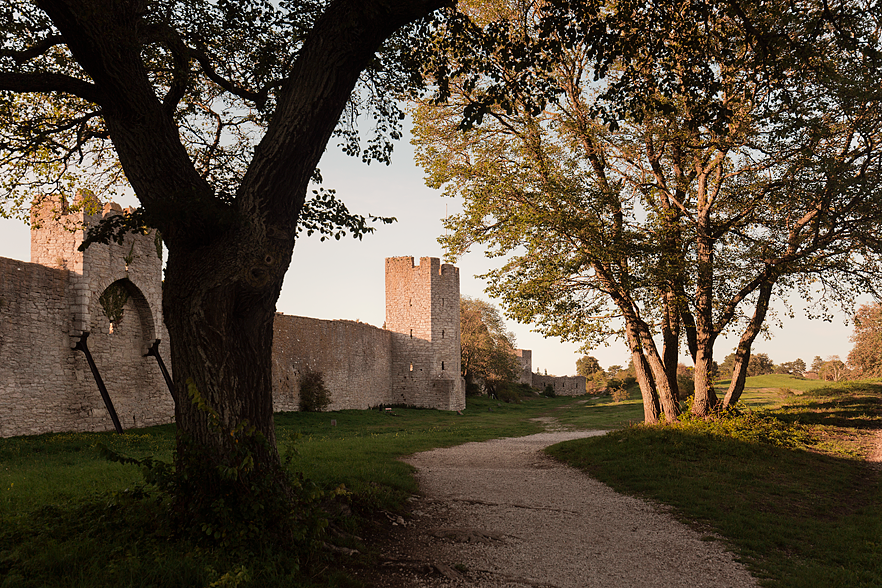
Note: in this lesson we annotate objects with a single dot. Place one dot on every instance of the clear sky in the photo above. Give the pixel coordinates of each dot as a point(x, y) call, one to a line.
point(344, 279)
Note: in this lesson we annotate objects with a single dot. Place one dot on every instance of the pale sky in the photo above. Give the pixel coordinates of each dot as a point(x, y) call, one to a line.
point(344, 279)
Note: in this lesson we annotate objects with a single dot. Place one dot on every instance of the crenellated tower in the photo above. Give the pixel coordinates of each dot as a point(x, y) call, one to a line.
point(422, 312)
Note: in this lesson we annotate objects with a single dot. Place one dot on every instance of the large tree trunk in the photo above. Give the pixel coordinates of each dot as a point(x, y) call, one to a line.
point(644, 378)
point(705, 399)
point(742, 352)
point(226, 259)
point(671, 341)
point(220, 318)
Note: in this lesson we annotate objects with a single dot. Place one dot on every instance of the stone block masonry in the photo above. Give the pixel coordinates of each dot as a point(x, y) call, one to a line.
point(562, 385)
point(422, 311)
point(113, 293)
point(355, 358)
point(46, 307)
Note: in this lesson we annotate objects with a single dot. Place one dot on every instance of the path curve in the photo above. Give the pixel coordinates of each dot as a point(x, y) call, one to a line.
point(502, 514)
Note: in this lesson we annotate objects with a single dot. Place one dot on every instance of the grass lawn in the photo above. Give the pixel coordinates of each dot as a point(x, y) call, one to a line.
point(787, 489)
point(800, 514)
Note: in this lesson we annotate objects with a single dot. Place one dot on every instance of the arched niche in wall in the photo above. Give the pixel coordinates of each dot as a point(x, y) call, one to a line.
point(122, 309)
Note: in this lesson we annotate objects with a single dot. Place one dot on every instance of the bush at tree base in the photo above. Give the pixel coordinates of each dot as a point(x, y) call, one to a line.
point(314, 397)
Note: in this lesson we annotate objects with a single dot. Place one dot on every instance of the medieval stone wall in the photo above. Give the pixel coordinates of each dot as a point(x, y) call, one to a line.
point(525, 360)
point(45, 384)
point(355, 358)
point(563, 385)
point(109, 298)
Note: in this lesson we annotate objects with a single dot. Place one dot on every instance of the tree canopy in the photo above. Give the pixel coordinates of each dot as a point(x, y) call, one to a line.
point(866, 355)
point(672, 185)
point(216, 115)
point(588, 365)
point(488, 349)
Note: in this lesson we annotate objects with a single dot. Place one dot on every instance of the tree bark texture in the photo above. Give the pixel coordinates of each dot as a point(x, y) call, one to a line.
point(644, 379)
point(742, 351)
point(226, 261)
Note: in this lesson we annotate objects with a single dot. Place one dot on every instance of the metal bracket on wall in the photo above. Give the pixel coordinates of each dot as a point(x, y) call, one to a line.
point(82, 346)
point(154, 352)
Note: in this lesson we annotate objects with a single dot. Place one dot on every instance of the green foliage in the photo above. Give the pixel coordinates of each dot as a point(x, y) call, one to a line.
point(487, 348)
point(587, 365)
point(749, 426)
point(685, 380)
point(760, 364)
point(576, 178)
point(796, 367)
point(619, 393)
point(596, 382)
point(113, 299)
point(549, 392)
point(314, 397)
point(866, 355)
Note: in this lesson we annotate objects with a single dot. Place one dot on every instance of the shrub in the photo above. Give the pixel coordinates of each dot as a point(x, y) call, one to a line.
point(747, 426)
point(314, 397)
point(549, 391)
point(472, 388)
point(508, 393)
point(620, 394)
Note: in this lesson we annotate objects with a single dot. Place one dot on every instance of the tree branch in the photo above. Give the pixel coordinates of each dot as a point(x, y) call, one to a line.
point(41, 47)
point(50, 82)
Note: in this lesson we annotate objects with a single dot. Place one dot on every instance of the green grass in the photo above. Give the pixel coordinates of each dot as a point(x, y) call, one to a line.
point(69, 517)
point(795, 500)
point(803, 514)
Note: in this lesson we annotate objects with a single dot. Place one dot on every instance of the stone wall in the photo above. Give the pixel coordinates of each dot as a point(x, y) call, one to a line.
point(355, 358)
point(109, 298)
point(46, 308)
point(563, 385)
point(525, 360)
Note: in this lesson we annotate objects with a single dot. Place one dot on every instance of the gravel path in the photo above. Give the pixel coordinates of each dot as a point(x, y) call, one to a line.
point(503, 514)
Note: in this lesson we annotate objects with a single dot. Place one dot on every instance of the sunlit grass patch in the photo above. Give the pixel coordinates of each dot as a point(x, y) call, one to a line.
point(788, 491)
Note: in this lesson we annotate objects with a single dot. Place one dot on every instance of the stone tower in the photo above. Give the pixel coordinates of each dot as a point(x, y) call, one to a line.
point(109, 319)
point(131, 269)
point(422, 312)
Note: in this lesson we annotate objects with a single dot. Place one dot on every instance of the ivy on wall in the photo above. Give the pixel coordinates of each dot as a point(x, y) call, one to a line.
point(113, 300)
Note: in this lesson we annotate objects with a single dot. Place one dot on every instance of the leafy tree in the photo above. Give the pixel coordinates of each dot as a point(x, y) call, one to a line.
point(760, 364)
point(833, 370)
point(817, 363)
point(488, 350)
point(216, 114)
point(793, 368)
point(728, 364)
point(588, 365)
point(314, 396)
point(613, 370)
point(866, 355)
point(706, 173)
point(686, 379)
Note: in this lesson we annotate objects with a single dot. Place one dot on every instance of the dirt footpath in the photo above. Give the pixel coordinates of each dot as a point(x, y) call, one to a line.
point(502, 514)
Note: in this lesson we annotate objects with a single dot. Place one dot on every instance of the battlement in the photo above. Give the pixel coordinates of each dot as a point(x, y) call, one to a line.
point(58, 228)
point(422, 311)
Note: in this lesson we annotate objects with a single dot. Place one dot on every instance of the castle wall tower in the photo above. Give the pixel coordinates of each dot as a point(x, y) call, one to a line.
point(422, 311)
point(111, 292)
point(525, 360)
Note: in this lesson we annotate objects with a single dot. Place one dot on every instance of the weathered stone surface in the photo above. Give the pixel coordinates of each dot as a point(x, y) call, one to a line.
point(46, 307)
point(45, 384)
